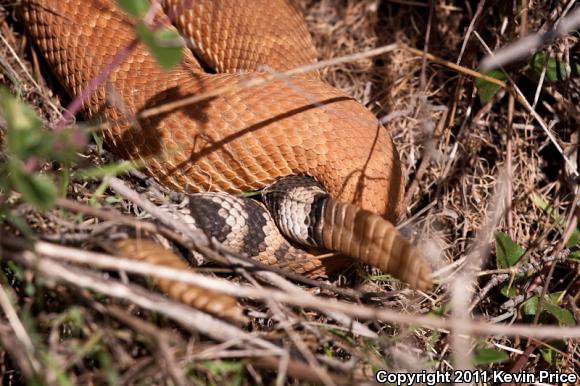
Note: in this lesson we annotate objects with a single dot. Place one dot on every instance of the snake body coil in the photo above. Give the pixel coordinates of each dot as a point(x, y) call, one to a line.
point(244, 139)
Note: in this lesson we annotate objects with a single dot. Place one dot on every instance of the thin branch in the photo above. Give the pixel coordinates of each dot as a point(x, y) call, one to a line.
point(304, 300)
point(262, 79)
point(189, 318)
point(529, 44)
point(517, 93)
point(18, 329)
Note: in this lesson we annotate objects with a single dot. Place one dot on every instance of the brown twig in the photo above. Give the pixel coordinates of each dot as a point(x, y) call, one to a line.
point(480, 328)
point(158, 342)
point(509, 169)
point(428, 151)
point(298, 370)
point(256, 80)
point(19, 330)
point(511, 88)
point(186, 316)
point(470, 29)
point(17, 352)
point(524, 46)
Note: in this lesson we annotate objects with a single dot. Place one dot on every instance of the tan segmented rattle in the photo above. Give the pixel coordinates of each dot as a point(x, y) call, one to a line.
point(331, 174)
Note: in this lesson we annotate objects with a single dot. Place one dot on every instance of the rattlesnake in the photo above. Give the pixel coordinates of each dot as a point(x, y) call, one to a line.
point(324, 163)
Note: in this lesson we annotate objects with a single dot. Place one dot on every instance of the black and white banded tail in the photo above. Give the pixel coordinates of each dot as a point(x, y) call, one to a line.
point(305, 213)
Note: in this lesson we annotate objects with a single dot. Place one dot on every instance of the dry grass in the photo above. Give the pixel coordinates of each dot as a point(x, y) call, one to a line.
point(70, 322)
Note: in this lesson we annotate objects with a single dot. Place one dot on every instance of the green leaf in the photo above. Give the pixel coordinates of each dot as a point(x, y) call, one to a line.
point(327, 350)
point(24, 129)
point(487, 90)
point(26, 138)
point(15, 269)
point(540, 202)
point(572, 242)
point(36, 189)
point(507, 252)
point(164, 44)
point(18, 115)
point(555, 69)
point(98, 138)
point(551, 307)
point(222, 367)
point(548, 354)
point(441, 311)
point(485, 356)
point(574, 238)
point(112, 375)
point(74, 315)
point(63, 180)
point(112, 199)
point(135, 8)
point(16, 221)
point(530, 306)
point(508, 291)
point(232, 373)
point(575, 69)
point(30, 289)
point(564, 317)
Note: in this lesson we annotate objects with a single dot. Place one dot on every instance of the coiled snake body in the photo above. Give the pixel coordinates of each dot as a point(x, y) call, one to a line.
point(324, 162)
